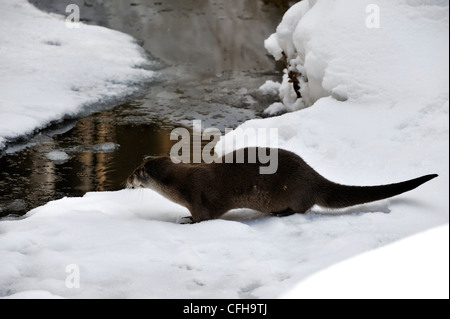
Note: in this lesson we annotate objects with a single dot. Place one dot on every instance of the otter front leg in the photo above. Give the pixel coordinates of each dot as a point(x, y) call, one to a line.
point(200, 215)
point(197, 217)
point(186, 220)
point(203, 209)
point(189, 220)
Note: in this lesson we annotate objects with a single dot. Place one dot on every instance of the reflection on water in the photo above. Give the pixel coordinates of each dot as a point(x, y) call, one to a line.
point(215, 62)
point(29, 178)
point(207, 36)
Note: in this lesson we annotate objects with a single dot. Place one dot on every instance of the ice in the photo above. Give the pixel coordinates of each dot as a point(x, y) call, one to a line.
point(58, 156)
point(106, 147)
point(49, 71)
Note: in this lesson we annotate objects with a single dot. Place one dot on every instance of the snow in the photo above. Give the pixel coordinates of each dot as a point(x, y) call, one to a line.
point(33, 294)
point(128, 244)
point(399, 58)
point(49, 71)
point(378, 113)
point(270, 88)
point(275, 109)
point(393, 269)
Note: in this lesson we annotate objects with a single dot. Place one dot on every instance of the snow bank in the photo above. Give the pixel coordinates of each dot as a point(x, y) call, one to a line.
point(393, 276)
point(49, 71)
point(128, 244)
point(380, 104)
point(389, 128)
point(339, 55)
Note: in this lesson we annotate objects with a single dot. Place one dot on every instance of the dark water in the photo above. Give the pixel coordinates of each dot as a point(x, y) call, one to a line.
point(214, 61)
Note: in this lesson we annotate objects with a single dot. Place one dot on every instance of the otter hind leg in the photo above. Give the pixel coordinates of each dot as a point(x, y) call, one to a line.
point(287, 212)
point(301, 208)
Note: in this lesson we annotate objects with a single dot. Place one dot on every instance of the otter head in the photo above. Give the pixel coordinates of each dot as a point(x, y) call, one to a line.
point(158, 175)
point(148, 174)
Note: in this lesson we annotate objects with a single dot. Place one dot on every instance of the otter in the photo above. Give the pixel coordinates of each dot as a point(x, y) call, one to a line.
point(210, 190)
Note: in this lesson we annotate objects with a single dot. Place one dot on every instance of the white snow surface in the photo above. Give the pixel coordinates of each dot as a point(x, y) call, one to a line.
point(393, 269)
point(341, 57)
point(49, 71)
point(392, 125)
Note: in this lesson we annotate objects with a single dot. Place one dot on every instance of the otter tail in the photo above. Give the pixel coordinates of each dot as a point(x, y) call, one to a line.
point(334, 195)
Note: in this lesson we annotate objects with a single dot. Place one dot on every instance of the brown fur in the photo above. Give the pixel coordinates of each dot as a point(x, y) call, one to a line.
point(210, 190)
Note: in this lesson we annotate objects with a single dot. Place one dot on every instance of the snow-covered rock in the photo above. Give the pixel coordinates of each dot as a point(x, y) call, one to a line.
point(339, 53)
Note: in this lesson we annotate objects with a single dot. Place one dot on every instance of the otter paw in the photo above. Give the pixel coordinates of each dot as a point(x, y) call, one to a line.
point(284, 213)
point(186, 220)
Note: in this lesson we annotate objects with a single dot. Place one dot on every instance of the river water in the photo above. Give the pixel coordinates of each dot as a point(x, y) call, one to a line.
point(213, 61)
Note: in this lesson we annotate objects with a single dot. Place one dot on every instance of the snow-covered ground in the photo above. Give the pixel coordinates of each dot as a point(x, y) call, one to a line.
point(405, 269)
point(49, 71)
point(378, 114)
